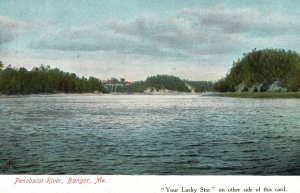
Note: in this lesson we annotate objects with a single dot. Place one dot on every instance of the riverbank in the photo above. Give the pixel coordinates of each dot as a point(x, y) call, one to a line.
point(53, 94)
point(258, 94)
point(225, 94)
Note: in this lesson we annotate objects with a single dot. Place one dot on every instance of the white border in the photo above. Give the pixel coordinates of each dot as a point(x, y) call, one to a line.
point(151, 184)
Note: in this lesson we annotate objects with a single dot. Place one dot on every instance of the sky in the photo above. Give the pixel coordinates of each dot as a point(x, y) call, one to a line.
point(134, 39)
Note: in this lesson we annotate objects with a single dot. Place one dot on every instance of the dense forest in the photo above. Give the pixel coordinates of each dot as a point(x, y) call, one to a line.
point(263, 67)
point(171, 83)
point(154, 83)
point(201, 86)
point(45, 80)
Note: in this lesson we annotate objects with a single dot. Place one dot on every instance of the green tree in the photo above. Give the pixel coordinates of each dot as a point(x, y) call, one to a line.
point(1, 65)
point(263, 66)
point(45, 80)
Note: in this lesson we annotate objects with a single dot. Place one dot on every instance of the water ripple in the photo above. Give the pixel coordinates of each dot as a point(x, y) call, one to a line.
point(141, 134)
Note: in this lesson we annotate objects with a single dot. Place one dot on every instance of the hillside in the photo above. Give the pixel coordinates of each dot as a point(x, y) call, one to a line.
point(167, 84)
point(45, 80)
point(159, 83)
point(263, 70)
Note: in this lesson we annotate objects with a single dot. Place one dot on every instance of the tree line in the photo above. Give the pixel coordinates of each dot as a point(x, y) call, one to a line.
point(45, 80)
point(201, 86)
point(169, 82)
point(259, 66)
point(263, 66)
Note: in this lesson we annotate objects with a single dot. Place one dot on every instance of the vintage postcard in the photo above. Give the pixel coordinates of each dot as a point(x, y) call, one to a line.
point(149, 96)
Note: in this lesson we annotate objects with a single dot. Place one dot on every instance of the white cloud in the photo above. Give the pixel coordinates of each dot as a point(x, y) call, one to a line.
point(188, 35)
point(11, 28)
point(94, 38)
point(8, 29)
point(244, 20)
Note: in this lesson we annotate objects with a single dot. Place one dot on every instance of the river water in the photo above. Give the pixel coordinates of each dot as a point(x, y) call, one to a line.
point(149, 134)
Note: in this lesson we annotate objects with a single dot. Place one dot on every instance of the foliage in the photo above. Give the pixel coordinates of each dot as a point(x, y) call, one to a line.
point(45, 80)
point(259, 94)
point(168, 82)
point(201, 86)
point(159, 82)
point(263, 66)
point(137, 87)
point(1, 66)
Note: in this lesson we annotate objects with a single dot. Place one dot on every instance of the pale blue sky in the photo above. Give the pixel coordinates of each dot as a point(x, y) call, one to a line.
point(192, 39)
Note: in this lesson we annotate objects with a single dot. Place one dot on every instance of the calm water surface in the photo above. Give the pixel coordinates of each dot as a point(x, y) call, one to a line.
point(150, 134)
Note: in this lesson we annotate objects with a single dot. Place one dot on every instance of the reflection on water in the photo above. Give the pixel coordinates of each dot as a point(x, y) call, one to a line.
point(149, 134)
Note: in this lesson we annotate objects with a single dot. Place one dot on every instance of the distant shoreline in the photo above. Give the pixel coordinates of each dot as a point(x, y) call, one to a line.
point(266, 95)
point(270, 95)
point(99, 94)
point(52, 94)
